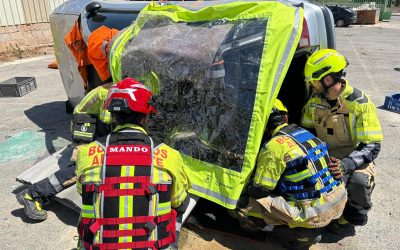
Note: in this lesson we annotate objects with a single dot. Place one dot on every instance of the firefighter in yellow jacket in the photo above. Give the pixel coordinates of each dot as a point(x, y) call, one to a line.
point(131, 191)
point(346, 119)
point(89, 121)
point(292, 190)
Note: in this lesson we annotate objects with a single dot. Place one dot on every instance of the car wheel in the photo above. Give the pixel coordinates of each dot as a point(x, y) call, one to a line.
point(340, 22)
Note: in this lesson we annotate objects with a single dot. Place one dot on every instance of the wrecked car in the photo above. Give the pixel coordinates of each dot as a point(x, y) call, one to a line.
point(216, 68)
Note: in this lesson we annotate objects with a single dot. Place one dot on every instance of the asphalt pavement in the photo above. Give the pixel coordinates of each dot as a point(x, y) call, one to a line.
point(32, 127)
point(35, 125)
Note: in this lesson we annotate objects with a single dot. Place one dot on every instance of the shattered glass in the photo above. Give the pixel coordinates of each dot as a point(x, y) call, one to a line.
point(208, 73)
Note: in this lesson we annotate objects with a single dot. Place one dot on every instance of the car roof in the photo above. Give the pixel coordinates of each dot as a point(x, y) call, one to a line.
point(338, 6)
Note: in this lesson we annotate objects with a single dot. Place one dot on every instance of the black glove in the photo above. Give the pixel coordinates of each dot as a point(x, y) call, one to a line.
point(243, 201)
point(256, 191)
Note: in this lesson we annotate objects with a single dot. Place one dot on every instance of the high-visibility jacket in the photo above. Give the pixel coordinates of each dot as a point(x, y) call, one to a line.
point(128, 188)
point(293, 165)
point(90, 119)
point(353, 120)
point(75, 42)
point(93, 103)
point(98, 50)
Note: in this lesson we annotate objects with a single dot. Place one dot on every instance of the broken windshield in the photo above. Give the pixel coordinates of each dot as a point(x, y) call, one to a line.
point(208, 74)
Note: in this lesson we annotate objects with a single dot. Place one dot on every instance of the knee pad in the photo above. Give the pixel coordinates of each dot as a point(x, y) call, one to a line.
point(359, 190)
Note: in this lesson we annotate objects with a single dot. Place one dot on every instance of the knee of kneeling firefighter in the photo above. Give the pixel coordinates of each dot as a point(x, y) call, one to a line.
point(359, 190)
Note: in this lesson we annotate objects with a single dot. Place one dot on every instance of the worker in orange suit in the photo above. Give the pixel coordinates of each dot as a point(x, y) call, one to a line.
point(94, 53)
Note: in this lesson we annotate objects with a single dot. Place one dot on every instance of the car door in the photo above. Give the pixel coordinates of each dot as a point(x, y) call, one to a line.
point(335, 11)
point(99, 14)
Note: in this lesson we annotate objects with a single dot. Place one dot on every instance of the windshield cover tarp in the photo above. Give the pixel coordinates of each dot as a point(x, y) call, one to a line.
point(215, 73)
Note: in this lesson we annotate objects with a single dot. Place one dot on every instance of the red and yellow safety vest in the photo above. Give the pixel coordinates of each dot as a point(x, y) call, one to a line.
point(127, 192)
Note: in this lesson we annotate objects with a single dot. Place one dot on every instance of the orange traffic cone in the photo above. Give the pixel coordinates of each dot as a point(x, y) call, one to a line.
point(53, 65)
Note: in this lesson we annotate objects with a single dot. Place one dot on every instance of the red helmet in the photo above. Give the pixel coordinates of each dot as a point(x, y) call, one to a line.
point(129, 95)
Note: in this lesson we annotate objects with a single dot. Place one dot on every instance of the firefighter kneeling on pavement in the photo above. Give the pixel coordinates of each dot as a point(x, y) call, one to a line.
point(129, 200)
point(89, 121)
point(292, 194)
point(346, 119)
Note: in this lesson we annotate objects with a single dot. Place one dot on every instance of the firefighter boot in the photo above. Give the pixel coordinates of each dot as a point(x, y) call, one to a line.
point(296, 238)
point(33, 206)
point(341, 227)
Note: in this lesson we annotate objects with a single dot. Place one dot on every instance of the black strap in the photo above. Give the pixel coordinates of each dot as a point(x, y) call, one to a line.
point(84, 118)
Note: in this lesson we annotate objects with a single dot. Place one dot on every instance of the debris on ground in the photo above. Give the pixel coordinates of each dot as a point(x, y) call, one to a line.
point(53, 65)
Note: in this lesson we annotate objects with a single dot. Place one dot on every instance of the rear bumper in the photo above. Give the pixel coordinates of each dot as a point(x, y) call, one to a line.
point(351, 20)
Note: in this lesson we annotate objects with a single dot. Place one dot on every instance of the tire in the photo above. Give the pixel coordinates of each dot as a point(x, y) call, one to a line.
point(68, 107)
point(339, 22)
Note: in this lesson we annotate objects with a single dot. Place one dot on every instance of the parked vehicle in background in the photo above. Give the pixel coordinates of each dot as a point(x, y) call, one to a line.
point(343, 16)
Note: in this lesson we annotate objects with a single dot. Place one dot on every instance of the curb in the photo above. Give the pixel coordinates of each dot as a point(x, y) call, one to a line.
point(26, 60)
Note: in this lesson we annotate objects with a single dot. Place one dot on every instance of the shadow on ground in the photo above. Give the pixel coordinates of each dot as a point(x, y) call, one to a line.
point(210, 239)
point(213, 223)
point(385, 109)
point(328, 237)
point(52, 119)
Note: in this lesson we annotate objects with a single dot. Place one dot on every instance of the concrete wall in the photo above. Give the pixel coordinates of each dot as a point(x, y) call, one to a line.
point(25, 36)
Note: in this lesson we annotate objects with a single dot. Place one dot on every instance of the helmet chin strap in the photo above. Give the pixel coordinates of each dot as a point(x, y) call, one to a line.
point(336, 79)
point(325, 87)
point(275, 121)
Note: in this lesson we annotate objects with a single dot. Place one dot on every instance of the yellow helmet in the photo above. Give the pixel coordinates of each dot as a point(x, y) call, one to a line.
point(278, 107)
point(322, 63)
point(278, 115)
